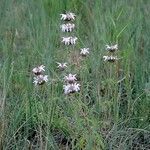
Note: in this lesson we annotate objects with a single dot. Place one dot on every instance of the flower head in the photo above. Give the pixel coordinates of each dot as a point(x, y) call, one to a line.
point(38, 70)
point(110, 58)
point(61, 66)
point(71, 78)
point(84, 51)
point(71, 88)
point(73, 40)
point(69, 40)
point(66, 40)
point(63, 17)
point(112, 48)
point(40, 79)
point(67, 27)
point(68, 16)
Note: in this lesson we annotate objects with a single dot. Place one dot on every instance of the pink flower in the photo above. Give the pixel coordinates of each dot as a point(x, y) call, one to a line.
point(73, 40)
point(38, 70)
point(71, 88)
point(110, 58)
point(67, 27)
point(70, 78)
point(112, 48)
point(40, 79)
point(68, 16)
point(61, 66)
point(84, 51)
point(69, 40)
point(66, 40)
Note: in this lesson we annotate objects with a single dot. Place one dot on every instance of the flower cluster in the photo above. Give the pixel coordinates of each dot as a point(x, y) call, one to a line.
point(112, 49)
point(67, 27)
point(61, 66)
point(71, 78)
point(69, 16)
point(84, 51)
point(71, 86)
point(110, 58)
point(38, 70)
point(39, 78)
point(69, 40)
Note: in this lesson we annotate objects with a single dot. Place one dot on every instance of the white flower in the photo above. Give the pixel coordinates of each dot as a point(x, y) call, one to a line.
point(66, 40)
point(76, 87)
point(73, 40)
point(40, 79)
point(68, 16)
point(84, 51)
point(61, 66)
point(63, 16)
point(38, 70)
point(71, 88)
point(63, 28)
point(69, 40)
point(67, 27)
point(71, 78)
point(70, 26)
point(110, 58)
point(112, 48)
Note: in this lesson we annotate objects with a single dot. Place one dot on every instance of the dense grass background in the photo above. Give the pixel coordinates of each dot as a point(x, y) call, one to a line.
point(112, 110)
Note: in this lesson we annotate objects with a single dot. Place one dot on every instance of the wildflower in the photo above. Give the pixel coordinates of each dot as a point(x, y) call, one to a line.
point(110, 58)
point(63, 17)
point(71, 78)
point(63, 28)
point(73, 40)
point(71, 88)
point(112, 48)
point(40, 79)
point(61, 66)
point(84, 51)
point(66, 40)
point(67, 27)
point(38, 70)
point(69, 40)
point(68, 16)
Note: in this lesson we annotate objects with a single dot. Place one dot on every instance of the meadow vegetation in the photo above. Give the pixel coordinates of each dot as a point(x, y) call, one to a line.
point(112, 109)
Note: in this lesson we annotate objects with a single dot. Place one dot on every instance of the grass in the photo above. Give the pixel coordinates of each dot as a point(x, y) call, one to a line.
point(112, 109)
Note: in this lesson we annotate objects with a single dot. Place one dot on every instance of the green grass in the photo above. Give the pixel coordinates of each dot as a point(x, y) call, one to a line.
point(108, 113)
